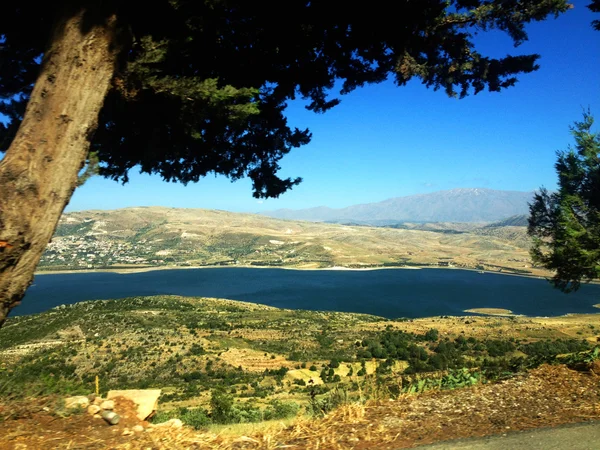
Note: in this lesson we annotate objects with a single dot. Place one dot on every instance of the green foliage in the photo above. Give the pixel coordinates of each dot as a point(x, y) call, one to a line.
point(432, 335)
point(581, 358)
point(197, 350)
point(332, 400)
point(547, 350)
point(499, 348)
point(43, 373)
point(565, 225)
point(193, 417)
point(221, 406)
point(278, 409)
point(454, 379)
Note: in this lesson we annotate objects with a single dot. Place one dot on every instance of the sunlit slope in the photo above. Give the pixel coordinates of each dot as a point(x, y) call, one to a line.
point(158, 236)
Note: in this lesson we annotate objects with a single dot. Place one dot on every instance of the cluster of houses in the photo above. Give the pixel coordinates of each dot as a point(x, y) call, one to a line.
point(92, 251)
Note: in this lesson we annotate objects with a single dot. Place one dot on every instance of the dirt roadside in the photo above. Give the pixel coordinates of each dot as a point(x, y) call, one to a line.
point(545, 397)
point(571, 437)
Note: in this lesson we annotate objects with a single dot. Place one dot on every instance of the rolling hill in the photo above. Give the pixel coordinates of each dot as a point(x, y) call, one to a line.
point(167, 237)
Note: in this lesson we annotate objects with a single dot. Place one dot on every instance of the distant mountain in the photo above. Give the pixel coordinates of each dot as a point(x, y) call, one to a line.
point(456, 205)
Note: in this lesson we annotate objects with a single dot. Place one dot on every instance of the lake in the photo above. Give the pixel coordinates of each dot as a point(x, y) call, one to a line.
point(390, 293)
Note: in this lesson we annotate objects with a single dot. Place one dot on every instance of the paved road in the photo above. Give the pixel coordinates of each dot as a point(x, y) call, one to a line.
point(568, 437)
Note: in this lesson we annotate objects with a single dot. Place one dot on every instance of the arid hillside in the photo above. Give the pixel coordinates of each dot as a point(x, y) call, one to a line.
point(162, 237)
point(241, 375)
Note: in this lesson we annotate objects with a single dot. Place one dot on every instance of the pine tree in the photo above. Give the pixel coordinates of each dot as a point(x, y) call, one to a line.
point(565, 225)
point(185, 88)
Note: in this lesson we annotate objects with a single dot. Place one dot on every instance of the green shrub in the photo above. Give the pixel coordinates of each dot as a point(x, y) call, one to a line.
point(221, 406)
point(281, 410)
point(432, 335)
point(335, 398)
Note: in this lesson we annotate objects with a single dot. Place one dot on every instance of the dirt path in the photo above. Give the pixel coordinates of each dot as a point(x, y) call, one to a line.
point(571, 437)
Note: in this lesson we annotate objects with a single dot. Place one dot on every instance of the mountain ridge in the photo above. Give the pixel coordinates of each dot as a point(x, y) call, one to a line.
point(471, 205)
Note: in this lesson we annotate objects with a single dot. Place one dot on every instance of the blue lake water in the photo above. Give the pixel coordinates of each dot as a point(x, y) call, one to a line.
point(389, 293)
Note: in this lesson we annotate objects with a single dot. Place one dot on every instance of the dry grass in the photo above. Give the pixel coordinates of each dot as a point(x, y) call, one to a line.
point(254, 360)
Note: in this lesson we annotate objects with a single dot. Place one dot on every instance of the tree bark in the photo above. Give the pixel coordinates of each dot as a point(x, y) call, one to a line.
point(39, 171)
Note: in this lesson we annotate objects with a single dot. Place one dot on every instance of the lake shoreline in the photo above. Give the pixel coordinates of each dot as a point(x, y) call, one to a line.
point(125, 271)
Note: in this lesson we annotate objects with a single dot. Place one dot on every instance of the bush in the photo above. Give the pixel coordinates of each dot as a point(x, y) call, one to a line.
point(197, 350)
point(195, 418)
point(281, 410)
point(432, 335)
point(221, 406)
point(334, 399)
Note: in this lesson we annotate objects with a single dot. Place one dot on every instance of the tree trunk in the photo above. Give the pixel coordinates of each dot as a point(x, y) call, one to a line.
point(39, 171)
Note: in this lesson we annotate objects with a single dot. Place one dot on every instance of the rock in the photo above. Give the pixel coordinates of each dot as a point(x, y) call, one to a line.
point(78, 401)
point(91, 397)
point(93, 409)
point(127, 432)
point(111, 417)
point(145, 399)
point(138, 428)
point(107, 404)
point(98, 401)
point(173, 423)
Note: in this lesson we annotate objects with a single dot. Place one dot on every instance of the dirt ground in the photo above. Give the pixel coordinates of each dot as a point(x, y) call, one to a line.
point(546, 396)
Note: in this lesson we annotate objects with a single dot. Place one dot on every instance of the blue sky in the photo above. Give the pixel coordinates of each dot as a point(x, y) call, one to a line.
point(384, 141)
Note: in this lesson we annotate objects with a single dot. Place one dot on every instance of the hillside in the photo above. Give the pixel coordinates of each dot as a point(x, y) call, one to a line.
point(163, 237)
point(455, 205)
point(326, 375)
point(513, 221)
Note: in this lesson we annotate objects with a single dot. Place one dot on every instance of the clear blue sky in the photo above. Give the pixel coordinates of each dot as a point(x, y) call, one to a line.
point(384, 141)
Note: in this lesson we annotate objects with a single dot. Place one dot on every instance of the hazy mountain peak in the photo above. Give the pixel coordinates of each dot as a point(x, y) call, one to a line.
point(454, 205)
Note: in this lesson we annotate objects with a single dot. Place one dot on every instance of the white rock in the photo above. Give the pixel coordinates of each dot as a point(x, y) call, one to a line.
point(173, 423)
point(145, 399)
point(138, 428)
point(107, 404)
point(78, 401)
point(127, 432)
point(93, 409)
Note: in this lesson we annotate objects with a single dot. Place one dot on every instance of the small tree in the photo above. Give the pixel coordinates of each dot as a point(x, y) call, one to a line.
point(221, 406)
point(565, 225)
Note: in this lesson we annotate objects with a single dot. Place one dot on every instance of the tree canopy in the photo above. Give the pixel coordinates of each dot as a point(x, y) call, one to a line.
point(565, 225)
point(201, 86)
